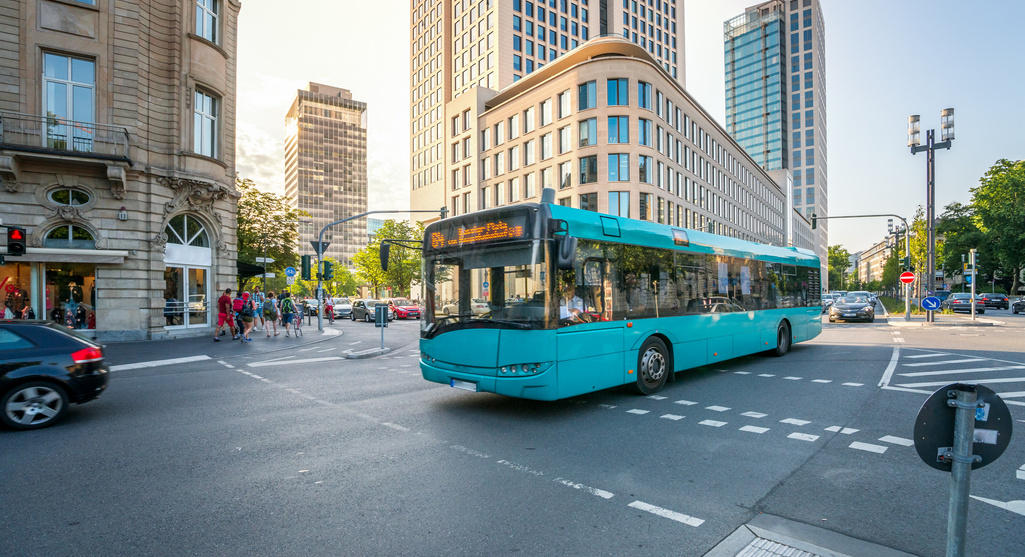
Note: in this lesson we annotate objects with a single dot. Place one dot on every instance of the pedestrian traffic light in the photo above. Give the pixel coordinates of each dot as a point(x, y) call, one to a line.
point(329, 270)
point(15, 241)
point(306, 267)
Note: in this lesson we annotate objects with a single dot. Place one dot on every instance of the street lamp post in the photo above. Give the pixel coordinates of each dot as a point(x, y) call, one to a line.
point(947, 136)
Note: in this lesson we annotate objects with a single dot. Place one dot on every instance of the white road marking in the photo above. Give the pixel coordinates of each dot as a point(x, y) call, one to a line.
point(868, 447)
point(280, 359)
point(657, 397)
point(521, 468)
point(742, 372)
point(821, 380)
point(765, 375)
point(592, 490)
point(673, 417)
point(853, 384)
point(953, 371)
point(802, 436)
point(158, 363)
point(327, 350)
point(355, 343)
point(794, 421)
point(255, 376)
point(1015, 394)
point(1017, 507)
point(306, 361)
point(394, 426)
point(406, 365)
point(1021, 473)
point(843, 430)
point(712, 423)
point(636, 411)
point(937, 354)
point(665, 513)
point(885, 381)
point(308, 349)
point(607, 406)
point(686, 402)
point(470, 452)
point(897, 441)
point(754, 414)
point(754, 429)
point(942, 383)
point(717, 408)
point(945, 362)
point(793, 378)
point(898, 339)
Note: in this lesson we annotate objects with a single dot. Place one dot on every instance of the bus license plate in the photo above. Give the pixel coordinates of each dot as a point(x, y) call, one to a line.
point(464, 385)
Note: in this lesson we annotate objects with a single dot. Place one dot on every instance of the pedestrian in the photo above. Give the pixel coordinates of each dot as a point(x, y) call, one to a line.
point(329, 308)
point(258, 298)
point(224, 315)
point(169, 307)
point(287, 311)
point(247, 314)
point(270, 313)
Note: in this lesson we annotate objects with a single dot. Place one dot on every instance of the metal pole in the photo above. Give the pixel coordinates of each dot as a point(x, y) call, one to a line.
point(971, 255)
point(965, 405)
point(263, 282)
point(930, 215)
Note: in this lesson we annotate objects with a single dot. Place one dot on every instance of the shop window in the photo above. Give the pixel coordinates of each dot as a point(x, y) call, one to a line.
point(71, 294)
point(69, 237)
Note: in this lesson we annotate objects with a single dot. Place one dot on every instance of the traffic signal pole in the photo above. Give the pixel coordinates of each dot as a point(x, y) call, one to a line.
point(320, 252)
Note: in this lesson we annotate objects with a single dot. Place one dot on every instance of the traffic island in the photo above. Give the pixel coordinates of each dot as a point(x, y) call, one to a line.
point(363, 354)
point(771, 536)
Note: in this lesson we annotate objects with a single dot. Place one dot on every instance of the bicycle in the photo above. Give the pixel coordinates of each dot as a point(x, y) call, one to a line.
point(299, 318)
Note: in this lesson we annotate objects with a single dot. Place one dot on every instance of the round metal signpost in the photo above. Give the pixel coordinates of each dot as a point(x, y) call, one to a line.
point(907, 277)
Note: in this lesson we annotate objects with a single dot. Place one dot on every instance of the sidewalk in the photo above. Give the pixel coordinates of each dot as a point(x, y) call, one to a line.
point(939, 320)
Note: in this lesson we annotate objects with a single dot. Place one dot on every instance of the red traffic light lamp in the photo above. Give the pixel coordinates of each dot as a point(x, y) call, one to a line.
point(15, 241)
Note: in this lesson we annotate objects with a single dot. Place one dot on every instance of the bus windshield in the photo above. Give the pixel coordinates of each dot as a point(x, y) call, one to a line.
point(494, 286)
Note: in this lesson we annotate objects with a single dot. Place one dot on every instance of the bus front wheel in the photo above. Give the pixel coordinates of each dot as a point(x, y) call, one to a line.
point(652, 366)
point(782, 339)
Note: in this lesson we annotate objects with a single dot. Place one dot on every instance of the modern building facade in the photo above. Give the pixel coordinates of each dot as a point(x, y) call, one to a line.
point(117, 156)
point(326, 167)
point(459, 45)
point(776, 97)
point(612, 131)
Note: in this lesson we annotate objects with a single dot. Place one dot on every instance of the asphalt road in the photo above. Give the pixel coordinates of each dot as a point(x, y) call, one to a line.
point(283, 447)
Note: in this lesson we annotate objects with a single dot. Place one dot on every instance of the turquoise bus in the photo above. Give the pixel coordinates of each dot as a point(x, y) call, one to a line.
point(545, 302)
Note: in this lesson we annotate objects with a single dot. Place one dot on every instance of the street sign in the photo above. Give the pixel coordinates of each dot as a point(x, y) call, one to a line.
point(290, 280)
point(265, 275)
point(934, 427)
point(907, 277)
point(932, 303)
point(267, 260)
point(290, 272)
point(319, 247)
point(968, 279)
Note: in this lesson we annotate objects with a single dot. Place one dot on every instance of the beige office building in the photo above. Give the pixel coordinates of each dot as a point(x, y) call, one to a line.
point(326, 167)
point(117, 156)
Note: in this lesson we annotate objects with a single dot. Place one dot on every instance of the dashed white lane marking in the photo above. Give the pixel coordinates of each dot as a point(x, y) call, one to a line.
point(868, 447)
point(843, 430)
point(394, 426)
point(898, 340)
point(326, 350)
point(673, 417)
point(607, 406)
point(308, 349)
point(794, 421)
point(158, 363)
point(637, 411)
point(280, 359)
point(765, 375)
point(521, 468)
point(754, 414)
point(592, 490)
point(1021, 473)
point(791, 378)
point(355, 343)
point(897, 441)
point(657, 397)
point(686, 402)
point(470, 452)
point(717, 408)
point(821, 381)
point(742, 372)
point(665, 513)
point(802, 436)
point(255, 376)
point(853, 384)
point(712, 423)
point(935, 355)
point(754, 429)
point(406, 365)
point(948, 371)
point(945, 362)
point(291, 362)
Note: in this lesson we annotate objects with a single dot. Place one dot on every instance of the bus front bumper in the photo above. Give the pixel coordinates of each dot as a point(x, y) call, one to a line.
point(539, 386)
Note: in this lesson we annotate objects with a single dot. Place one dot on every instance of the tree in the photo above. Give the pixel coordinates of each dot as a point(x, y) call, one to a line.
point(403, 263)
point(839, 260)
point(368, 267)
point(891, 270)
point(266, 227)
point(999, 203)
point(959, 226)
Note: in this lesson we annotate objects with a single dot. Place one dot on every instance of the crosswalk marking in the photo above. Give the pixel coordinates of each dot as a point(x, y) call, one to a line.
point(937, 354)
point(792, 378)
point(821, 381)
point(897, 441)
point(754, 414)
point(945, 362)
point(754, 429)
point(853, 384)
point(868, 447)
point(942, 383)
point(802, 437)
point(1021, 472)
point(636, 411)
point(712, 423)
point(673, 417)
point(971, 370)
point(843, 430)
point(717, 408)
point(686, 402)
point(794, 421)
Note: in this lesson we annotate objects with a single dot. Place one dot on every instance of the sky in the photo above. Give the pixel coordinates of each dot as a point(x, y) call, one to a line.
point(885, 60)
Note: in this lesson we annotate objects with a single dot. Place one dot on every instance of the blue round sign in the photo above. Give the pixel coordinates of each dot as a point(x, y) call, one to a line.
point(290, 271)
point(932, 303)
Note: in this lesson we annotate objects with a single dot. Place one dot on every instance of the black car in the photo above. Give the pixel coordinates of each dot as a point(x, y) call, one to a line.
point(44, 367)
point(995, 300)
point(851, 308)
point(962, 301)
point(1018, 306)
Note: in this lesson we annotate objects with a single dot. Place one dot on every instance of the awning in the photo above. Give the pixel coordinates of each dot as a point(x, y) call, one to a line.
point(246, 270)
point(67, 255)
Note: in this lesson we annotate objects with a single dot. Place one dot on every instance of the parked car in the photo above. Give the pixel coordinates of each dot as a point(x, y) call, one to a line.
point(1018, 306)
point(342, 307)
point(995, 300)
point(962, 301)
point(404, 308)
point(363, 310)
point(312, 306)
point(477, 305)
point(852, 307)
point(43, 368)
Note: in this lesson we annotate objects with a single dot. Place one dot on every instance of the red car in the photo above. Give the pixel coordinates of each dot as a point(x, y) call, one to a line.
point(404, 308)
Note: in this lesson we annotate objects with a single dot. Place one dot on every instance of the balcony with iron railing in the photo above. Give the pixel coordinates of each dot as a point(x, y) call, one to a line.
point(52, 134)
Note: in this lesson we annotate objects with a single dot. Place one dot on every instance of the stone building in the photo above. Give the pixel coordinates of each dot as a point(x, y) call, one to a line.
point(117, 155)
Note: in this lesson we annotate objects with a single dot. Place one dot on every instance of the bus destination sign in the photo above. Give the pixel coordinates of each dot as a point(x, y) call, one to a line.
point(479, 232)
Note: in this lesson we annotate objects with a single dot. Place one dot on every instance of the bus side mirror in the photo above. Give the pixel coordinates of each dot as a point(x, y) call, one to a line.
point(384, 251)
point(566, 249)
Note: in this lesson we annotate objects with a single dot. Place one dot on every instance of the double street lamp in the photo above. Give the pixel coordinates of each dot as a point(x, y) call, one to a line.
point(946, 137)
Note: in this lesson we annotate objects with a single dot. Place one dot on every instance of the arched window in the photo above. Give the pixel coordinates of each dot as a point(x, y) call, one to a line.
point(187, 231)
point(70, 196)
point(69, 236)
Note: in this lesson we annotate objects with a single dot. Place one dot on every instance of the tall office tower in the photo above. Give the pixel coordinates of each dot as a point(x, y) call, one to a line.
point(326, 167)
point(459, 45)
point(776, 97)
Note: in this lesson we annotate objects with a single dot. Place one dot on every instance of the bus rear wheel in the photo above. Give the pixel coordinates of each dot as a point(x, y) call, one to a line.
point(782, 340)
point(652, 366)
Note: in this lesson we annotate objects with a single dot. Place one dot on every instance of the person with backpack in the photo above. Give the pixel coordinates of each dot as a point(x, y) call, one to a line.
point(248, 315)
point(224, 315)
point(236, 311)
point(259, 298)
point(270, 313)
point(287, 311)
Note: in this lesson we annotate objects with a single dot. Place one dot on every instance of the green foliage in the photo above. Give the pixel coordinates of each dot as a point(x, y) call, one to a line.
point(839, 259)
point(403, 263)
point(267, 227)
point(999, 203)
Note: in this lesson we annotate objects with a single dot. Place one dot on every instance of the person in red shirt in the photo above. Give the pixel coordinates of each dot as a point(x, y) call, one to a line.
point(329, 308)
point(224, 316)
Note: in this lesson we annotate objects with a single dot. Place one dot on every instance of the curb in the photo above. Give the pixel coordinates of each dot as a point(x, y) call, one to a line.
point(364, 354)
point(771, 536)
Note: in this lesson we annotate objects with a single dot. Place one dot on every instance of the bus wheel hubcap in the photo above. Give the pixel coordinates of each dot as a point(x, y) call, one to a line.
point(653, 365)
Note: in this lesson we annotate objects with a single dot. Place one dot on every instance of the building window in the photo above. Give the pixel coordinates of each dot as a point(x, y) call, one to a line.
point(205, 108)
point(589, 202)
point(70, 197)
point(564, 108)
point(644, 168)
point(644, 95)
point(69, 86)
point(564, 140)
point(531, 188)
point(619, 203)
point(546, 177)
point(546, 146)
point(619, 129)
point(529, 152)
point(207, 15)
point(528, 120)
point(618, 94)
point(69, 236)
point(589, 170)
point(546, 112)
point(587, 97)
point(589, 132)
point(644, 131)
point(645, 207)
point(619, 167)
point(565, 175)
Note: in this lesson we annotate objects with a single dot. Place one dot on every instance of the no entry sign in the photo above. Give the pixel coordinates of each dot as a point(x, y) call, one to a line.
point(907, 277)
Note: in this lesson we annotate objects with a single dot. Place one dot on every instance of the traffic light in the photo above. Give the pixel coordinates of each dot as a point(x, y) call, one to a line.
point(15, 241)
point(306, 267)
point(814, 221)
point(907, 262)
point(329, 270)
